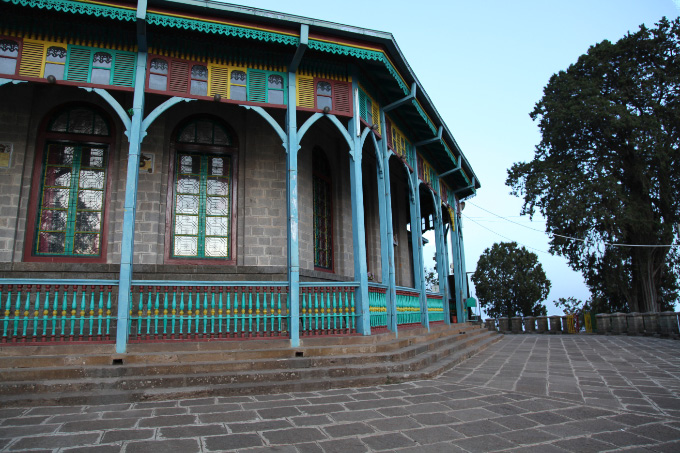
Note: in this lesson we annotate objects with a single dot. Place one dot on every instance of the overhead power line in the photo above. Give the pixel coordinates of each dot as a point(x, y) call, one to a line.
point(610, 244)
point(505, 237)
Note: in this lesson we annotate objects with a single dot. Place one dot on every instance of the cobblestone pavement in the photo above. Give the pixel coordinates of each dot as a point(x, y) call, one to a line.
point(525, 393)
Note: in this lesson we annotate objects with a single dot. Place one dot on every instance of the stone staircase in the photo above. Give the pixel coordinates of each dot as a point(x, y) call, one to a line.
point(95, 374)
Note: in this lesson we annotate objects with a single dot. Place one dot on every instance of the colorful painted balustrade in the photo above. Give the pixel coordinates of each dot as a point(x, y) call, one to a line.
point(435, 307)
point(408, 307)
point(208, 312)
point(327, 310)
point(57, 313)
point(377, 302)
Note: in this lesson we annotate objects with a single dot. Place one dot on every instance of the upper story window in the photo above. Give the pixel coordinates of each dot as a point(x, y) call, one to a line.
point(158, 74)
point(324, 94)
point(238, 86)
point(9, 54)
point(199, 80)
point(101, 68)
point(275, 89)
point(55, 62)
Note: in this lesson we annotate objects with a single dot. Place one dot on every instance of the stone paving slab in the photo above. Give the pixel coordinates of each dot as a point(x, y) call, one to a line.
point(525, 393)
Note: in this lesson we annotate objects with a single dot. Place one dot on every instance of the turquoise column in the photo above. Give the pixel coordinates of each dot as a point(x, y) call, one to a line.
point(457, 268)
point(463, 274)
point(440, 256)
point(293, 215)
point(387, 233)
point(361, 302)
point(130, 208)
point(417, 245)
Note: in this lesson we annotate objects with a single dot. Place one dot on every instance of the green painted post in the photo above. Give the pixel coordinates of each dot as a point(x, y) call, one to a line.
point(257, 310)
point(165, 311)
point(36, 310)
point(212, 311)
point(108, 312)
point(181, 310)
point(17, 311)
point(228, 311)
point(174, 310)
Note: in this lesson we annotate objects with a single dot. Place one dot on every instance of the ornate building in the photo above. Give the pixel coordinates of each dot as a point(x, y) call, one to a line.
point(198, 170)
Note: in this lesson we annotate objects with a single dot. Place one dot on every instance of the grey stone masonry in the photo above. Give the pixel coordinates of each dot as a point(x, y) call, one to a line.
point(516, 325)
point(635, 324)
point(619, 323)
point(529, 324)
point(555, 325)
point(604, 323)
point(651, 321)
point(503, 325)
point(525, 393)
point(541, 324)
point(668, 323)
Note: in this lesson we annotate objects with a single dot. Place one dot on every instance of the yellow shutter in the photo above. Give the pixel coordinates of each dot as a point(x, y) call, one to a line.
point(375, 111)
point(305, 91)
point(33, 58)
point(218, 80)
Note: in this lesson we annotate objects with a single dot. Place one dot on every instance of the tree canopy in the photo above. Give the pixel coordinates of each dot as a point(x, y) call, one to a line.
point(509, 281)
point(607, 170)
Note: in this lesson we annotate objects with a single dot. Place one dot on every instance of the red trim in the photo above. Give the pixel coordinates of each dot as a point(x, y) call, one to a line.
point(231, 151)
point(365, 123)
point(36, 181)
point(68, 83)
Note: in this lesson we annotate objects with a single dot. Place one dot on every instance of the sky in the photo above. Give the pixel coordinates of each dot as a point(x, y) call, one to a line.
point(484, 64)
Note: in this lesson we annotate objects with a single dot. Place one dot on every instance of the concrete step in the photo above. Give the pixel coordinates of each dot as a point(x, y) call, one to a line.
point(97, 384)
point(172, 366)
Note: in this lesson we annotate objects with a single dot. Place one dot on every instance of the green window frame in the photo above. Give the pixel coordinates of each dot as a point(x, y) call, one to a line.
point(72, 200)
point(202, 195)
point(201, 214)
point(261, 87)
point(80, 63)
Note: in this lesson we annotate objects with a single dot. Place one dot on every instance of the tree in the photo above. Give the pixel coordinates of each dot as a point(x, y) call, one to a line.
point(509, 281)
point(431, 279)
point(607, 170)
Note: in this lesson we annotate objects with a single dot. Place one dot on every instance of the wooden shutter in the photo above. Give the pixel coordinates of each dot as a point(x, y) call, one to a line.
point(375, 112)
point(178, 76)
point(32, 58)
point(124, 66)
point(78, 64)
point(388, 125)
point(306, 92)
point(218, 80)
point(257, 85)
point(342, 101)
point(362, 104)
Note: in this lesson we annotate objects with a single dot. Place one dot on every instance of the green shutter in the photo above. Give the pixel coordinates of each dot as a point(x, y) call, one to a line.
point(362, 104)
point(257, 85)
point(78, 64)
point(124, 69)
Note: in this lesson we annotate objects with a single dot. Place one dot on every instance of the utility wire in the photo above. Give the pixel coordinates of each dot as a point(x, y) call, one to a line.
point(505, 237)
point(610, 244)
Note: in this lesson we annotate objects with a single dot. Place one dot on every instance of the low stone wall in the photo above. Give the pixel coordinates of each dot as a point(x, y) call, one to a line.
point(664, 324)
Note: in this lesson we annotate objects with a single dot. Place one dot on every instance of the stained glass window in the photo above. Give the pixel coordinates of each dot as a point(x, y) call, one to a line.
point(71, 205)
point(202, 206)
point(9, 52)
point(323, 226)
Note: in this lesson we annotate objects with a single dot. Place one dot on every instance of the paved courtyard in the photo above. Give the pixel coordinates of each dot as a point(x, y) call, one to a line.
point(525, 393)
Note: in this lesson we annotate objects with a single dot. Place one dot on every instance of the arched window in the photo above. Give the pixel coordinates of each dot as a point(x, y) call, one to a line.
point(67, 217)
point(323, 208)
point(9, 53)
point(203, 185)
